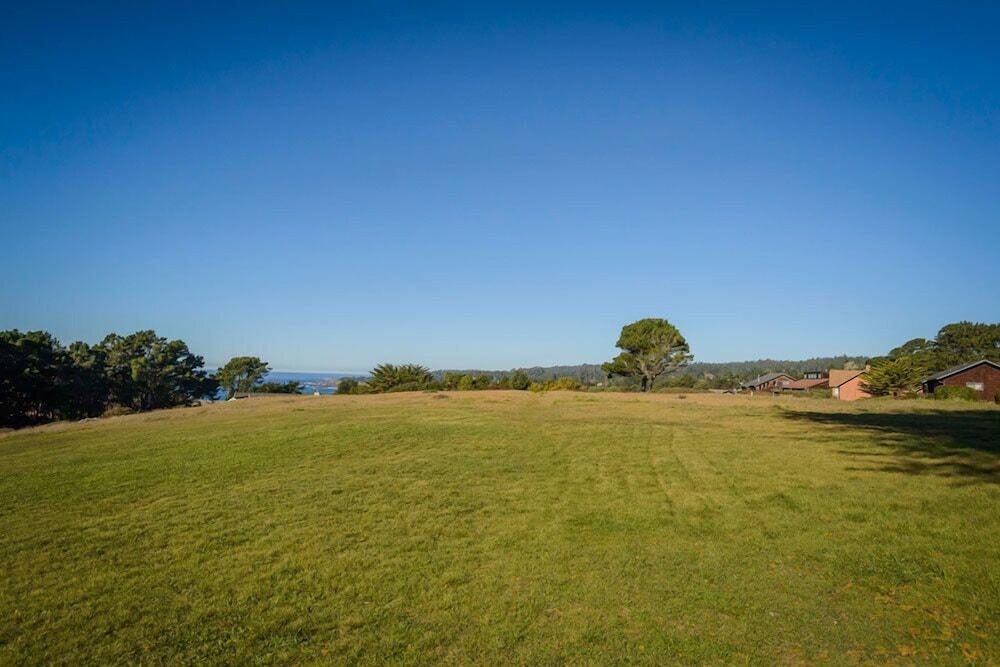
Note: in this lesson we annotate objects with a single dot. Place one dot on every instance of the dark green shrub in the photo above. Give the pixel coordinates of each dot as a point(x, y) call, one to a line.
point(945, 393)
point(482, 382)
point(407, 386)
point(519, 380)
point(347, 386)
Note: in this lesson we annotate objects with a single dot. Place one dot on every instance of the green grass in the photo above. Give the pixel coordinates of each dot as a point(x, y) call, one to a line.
point(506, 527)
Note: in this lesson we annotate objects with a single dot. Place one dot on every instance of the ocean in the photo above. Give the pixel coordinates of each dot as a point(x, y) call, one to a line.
point(311, 382)
point(324, 383)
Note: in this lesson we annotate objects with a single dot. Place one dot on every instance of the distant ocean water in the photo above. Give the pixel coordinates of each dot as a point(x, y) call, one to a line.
point(323, 383)
point(311, 382)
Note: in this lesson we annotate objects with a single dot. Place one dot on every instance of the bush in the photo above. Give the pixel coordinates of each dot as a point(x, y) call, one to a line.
point(562, 384)
point(386, 377)
point(482, 382)
point(519, 380)
point(347, 386)
point(944, 393)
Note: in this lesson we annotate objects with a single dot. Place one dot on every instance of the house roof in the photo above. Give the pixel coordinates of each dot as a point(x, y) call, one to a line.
point(838, 377)
point(765, 378)
point(940, 375)
point(808, 384)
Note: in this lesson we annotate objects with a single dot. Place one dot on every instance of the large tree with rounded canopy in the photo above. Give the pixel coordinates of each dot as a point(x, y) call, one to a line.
point(650, 348)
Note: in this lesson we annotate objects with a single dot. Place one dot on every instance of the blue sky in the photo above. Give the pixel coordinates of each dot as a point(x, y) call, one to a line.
point(466, 185)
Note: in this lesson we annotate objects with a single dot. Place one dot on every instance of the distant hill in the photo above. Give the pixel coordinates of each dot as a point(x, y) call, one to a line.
point(592, 373)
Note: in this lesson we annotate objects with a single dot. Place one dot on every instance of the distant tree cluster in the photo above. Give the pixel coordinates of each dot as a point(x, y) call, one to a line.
point(389, 378)
point(955, 344)
point(41, 381)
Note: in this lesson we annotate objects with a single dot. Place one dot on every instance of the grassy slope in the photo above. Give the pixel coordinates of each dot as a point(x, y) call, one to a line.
point(476, 527)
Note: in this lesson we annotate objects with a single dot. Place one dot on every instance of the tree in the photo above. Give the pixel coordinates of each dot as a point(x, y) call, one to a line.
point(35, 371)
point(650, 348)
point(88, 382)
point(241, 374)
point(963, 342)
point(388, 376)
point(956, 343)
point(145, 371)
point(893, 377)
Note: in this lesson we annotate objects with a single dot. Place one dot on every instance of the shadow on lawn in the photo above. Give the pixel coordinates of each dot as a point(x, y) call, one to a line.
point(954, 443)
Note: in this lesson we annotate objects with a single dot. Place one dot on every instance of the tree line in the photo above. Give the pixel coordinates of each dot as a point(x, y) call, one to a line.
point(41, 380)
point(651, 348)
point(391, 378)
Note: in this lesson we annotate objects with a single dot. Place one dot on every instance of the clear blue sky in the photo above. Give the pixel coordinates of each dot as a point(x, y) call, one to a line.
point(475, 186)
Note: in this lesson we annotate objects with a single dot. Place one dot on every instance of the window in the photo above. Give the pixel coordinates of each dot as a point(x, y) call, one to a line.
point(978, 386)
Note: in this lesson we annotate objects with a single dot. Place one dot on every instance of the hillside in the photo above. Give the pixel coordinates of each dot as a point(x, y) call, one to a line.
point(505, 527)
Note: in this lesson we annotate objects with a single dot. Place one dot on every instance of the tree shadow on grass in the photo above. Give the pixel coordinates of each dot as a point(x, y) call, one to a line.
point(964, 444)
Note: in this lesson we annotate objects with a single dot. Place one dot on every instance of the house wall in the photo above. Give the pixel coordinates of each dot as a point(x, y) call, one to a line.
point(989, 376)
point(851, 390)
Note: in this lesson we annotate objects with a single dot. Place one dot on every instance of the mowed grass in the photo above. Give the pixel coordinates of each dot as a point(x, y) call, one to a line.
point(506, 527)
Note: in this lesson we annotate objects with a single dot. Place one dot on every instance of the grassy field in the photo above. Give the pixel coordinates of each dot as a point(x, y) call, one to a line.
point(500, 527)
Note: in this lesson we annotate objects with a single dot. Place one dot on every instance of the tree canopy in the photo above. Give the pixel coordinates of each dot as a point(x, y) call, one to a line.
point(147, 371)
point(40, 380)
point(650, 348)
point(956, 343)
point(386, 377)
point(893, 377)
point(241, 374)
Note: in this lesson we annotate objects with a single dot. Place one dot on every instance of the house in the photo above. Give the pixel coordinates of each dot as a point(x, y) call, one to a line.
point(983, 377)
point(846, 385)
point(810, 380)
point(808, 384)
point(769, 382)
